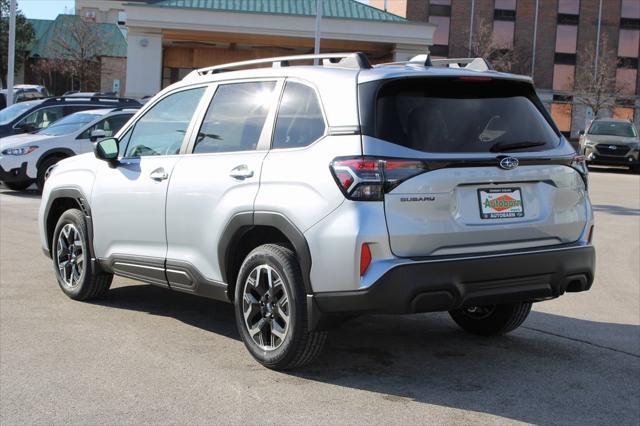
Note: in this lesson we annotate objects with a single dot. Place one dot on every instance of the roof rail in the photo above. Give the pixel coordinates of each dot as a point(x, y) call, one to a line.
point(355, 60)
point(96, 98)
point(128, 107)
point(474, 64)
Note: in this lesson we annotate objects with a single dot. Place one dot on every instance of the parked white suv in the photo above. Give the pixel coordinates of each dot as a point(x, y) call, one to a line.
point(29, 157)
point(304, 194)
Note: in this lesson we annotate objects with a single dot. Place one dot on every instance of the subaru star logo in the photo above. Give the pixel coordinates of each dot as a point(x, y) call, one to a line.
point(509, 163)
point(613, 147)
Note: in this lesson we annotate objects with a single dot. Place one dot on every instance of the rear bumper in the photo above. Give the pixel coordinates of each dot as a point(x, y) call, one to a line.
point(17, 174)
point(444, 284)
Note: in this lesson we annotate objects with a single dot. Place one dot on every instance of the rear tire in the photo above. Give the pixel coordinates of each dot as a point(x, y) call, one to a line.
point(18, 186)
point(493, 319)
point(271, 309)
point(77, 276)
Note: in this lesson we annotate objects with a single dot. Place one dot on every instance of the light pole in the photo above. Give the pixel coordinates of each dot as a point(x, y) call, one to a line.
point(535, 37)
point(316, 47)
point(473, 5)
point(595, 65)
point(11, 54)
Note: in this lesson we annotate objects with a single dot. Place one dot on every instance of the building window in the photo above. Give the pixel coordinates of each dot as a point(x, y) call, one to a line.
point(503, 34)
point(505, 10)
point(566, 38)
point(505, 4)
point(626, 81)
point(441, 35)
point(569, 7)
point(439, 10)
point(561, 114)
point(563, 77)
point(441, 2)
point(630, 9)
point(628, 43)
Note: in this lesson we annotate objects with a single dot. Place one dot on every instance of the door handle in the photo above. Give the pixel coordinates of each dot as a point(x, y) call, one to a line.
point(241, 172)
point(159, 174)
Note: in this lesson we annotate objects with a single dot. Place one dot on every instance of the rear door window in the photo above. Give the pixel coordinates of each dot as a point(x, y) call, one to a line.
point(457, 116)
point(235, 117)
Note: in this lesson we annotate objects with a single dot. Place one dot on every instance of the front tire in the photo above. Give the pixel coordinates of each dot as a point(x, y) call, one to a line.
point(271, 311)
point(44, 170)
point(18, 186)
point(76, 274)
point(492, 320)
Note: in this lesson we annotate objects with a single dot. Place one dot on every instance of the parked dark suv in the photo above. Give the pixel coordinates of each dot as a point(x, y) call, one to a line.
point(31, 116)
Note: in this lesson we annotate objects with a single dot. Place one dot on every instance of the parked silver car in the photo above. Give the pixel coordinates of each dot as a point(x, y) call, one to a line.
point(612, 142)
point(306, 194)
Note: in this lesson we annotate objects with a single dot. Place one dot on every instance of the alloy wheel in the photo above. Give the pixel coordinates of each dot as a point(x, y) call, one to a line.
point(265, 306)
point(70, 255)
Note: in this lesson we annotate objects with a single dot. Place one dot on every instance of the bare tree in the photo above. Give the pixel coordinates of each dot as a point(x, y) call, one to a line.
point(76, 53)
point(596, 88)
point(500, 57)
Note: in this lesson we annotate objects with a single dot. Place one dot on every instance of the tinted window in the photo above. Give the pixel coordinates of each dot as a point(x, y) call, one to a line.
point(612, 128)
point(300, 120)
point(69, 124)
point(450, 115)
point(9, 114)
point(43, 117)
point(162, 128)
point(109, 125)
point(235, 117)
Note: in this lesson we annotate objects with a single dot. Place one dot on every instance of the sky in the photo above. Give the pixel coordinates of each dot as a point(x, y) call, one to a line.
point(45, 9)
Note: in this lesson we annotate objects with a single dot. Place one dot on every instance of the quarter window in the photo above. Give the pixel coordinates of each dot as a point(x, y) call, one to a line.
point(235, 118)
point(161, 130)
point(300, 121)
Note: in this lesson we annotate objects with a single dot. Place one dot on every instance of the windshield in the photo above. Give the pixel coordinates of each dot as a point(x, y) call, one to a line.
point(9, 114)
point(69, 124)
point(454, 115)
point(612, 128)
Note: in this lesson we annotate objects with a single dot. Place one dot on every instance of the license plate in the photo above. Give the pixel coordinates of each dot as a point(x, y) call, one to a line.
point(500, 203)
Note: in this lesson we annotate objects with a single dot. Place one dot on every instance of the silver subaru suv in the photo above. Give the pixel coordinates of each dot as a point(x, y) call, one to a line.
point(312, 193)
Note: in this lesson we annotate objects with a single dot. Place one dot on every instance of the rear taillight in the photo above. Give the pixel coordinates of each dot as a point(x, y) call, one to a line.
point(369, 178)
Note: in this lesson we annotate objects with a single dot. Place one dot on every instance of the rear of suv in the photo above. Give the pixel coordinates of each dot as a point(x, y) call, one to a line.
point(309, 194)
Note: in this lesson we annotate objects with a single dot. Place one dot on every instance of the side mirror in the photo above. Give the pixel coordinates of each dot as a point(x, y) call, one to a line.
point(107, 150)
point(581, 132)
point(97, 135)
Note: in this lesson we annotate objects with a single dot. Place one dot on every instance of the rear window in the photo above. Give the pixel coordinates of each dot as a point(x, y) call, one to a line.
point(452, 115)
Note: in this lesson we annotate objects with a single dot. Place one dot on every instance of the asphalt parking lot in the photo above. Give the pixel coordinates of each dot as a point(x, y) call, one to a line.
point(147, 355)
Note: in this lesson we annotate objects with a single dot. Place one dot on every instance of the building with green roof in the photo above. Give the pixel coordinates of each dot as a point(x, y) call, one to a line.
point(109, 49)
point(169, 38)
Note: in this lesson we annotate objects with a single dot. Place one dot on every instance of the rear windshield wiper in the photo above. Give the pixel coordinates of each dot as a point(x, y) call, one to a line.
point(510, 146)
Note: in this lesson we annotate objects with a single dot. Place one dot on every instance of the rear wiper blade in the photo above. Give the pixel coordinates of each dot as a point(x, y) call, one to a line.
point(510, 146)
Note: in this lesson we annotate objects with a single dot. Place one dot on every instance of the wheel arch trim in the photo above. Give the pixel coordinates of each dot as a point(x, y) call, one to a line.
point(55, 152)
point(241, 222)
point(75, 193)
